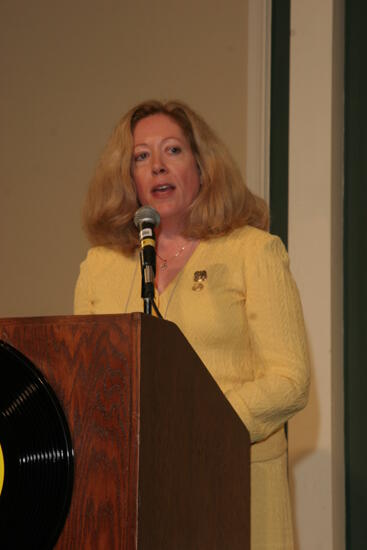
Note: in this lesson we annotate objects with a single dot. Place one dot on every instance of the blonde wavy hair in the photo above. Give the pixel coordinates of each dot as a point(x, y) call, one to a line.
point(223, 203)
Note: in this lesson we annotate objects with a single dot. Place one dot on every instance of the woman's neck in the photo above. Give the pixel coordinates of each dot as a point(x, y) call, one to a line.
point(170, 231)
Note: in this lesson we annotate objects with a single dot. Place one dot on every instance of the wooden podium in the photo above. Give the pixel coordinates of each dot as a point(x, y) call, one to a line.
point(161, 458)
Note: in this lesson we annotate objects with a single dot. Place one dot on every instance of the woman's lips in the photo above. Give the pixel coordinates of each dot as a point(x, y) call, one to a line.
point(163, 188)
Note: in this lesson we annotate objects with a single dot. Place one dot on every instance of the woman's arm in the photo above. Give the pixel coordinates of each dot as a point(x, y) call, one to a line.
point(281, 378)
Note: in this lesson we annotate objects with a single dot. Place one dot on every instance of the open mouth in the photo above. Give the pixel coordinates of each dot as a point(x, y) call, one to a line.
point(163, 188)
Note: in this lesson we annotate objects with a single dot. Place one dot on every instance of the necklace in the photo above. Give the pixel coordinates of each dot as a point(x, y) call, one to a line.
point(164, 264)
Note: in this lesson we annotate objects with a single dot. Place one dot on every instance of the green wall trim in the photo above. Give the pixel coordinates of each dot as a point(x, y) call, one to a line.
point(355, 273)
point(279, 118)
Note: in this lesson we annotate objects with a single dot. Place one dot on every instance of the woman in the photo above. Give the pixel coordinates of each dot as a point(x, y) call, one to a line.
point(221, 277)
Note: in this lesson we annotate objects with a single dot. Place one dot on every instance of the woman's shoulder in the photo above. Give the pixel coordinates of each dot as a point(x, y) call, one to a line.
point(250, 239)
point(100, 258)
point(250, 247)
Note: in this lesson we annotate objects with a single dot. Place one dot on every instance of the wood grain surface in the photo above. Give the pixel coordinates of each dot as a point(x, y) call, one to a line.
point(91, 363)
point(161, 458)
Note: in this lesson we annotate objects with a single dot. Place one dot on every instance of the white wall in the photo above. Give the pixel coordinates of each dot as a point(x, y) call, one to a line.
point(316, 436)
point(69, 70)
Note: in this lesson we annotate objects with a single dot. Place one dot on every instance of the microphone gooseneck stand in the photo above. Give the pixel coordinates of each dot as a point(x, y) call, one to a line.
point(146, 219)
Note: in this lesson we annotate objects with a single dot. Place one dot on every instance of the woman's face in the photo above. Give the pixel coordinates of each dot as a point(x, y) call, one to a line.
point(164, 168)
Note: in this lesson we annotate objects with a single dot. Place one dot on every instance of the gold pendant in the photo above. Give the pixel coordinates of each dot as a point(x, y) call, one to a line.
point(199, 278)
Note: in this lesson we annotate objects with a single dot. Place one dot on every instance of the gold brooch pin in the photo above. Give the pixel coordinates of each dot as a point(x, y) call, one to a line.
point(199, 278)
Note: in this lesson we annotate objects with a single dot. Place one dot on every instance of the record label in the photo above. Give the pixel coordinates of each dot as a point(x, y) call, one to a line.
point(2, 469)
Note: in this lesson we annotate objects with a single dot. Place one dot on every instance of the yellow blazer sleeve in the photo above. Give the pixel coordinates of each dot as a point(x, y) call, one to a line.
point(277, 334)
point(82, 299)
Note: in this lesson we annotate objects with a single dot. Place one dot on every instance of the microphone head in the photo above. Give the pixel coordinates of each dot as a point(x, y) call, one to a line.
point(146, 214)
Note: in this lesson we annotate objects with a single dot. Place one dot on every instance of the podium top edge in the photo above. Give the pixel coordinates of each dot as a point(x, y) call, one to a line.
point(67, 319)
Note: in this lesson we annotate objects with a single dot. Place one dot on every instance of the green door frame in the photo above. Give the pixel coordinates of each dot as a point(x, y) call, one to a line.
point(279, 118)
point(355, 273)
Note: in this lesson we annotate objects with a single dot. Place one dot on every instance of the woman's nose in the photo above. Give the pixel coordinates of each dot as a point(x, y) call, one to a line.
point(158, 166)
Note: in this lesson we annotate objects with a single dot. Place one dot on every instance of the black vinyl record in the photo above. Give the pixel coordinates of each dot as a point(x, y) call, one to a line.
point(36, 457)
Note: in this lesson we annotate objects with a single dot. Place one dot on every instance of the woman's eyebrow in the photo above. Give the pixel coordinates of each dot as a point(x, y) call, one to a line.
point(163, 141)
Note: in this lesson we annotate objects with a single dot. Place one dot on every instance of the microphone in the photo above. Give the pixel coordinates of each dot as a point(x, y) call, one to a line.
point(146, 219)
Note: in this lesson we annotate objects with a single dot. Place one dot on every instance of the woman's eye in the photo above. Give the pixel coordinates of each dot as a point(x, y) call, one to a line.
point(140, 156)
point(175, 150)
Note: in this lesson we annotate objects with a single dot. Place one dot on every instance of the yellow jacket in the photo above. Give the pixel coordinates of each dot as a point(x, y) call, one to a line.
point(238, 306)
